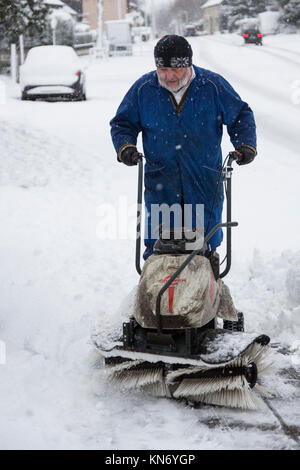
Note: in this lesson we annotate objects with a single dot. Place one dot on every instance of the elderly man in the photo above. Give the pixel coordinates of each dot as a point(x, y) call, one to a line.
point(180, 110)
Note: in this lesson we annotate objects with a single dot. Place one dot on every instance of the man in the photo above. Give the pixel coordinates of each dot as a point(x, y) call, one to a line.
point(180, 110)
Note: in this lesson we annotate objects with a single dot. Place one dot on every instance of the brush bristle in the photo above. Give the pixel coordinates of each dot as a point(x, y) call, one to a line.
point(135, 374)
point(244, 399)
point(194, 387)
point(231, 391)
point(137, 378)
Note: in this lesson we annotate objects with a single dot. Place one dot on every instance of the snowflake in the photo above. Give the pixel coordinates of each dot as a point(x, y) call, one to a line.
point(159, 61)
point(178, 62)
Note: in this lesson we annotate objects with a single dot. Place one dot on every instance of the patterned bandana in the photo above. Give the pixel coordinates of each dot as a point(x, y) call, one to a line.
point(173, 51)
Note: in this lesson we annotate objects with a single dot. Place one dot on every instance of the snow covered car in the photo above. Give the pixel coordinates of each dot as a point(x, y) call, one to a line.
point(252, 36)
point(52, 71)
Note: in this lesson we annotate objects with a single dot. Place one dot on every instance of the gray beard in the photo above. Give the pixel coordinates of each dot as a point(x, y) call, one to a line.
point(182, 83)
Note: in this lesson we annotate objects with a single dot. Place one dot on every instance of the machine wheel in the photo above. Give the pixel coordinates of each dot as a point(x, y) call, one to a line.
point(235, 325)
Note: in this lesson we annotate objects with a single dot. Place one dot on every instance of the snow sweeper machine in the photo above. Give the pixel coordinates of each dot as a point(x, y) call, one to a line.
point(184, 338)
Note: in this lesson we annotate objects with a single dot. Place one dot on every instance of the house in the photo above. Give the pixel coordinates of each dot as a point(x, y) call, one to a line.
point(90, 12)
point(211, 15)
point(112, 10)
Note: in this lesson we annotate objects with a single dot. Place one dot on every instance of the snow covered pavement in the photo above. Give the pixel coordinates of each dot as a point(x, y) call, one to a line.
point(57, 277)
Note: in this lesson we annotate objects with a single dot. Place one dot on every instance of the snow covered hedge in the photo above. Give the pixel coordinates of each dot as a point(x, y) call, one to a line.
point(28, 17)
point(32, 19)
point(290, 15)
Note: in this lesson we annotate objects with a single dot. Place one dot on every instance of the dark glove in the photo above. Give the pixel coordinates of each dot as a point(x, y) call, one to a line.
point(246, 154)
point(130, 156)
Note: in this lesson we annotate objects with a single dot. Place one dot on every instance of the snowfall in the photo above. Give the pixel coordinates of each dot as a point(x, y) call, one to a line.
point(62, 273)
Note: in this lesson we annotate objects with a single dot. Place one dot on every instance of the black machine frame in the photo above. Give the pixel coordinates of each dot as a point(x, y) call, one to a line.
point(185, 342)
point(227, 179)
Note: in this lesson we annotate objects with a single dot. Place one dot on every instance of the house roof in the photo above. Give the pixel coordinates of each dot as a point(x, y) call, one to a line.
point(70, 10)
point(212, 3)
point(57, 3)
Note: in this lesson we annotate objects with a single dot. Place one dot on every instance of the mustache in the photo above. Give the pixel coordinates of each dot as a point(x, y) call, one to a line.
point(181, 83)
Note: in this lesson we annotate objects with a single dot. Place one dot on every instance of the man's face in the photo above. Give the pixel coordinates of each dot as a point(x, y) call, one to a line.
point(173, 79)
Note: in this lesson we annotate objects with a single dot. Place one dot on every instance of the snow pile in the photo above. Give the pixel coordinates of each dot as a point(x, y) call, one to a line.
point(31, 159)
point(108, 330)
point(268, 294)
point(293, 283)
point(54, 282)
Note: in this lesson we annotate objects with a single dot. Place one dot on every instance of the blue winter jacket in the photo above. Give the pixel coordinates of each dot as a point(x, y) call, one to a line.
point(183, 152)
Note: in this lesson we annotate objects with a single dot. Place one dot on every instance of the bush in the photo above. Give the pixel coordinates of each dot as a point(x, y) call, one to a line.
point(290, 15)
point(27, 17)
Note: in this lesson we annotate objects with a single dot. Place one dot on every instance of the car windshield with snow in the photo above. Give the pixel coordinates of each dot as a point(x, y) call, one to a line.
point(52, 72)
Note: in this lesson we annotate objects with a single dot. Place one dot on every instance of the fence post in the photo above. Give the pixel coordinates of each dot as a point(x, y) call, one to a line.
point(2, 92)
point(21, 43)
point(54, 23)
point(13, 62)
point(2, 353)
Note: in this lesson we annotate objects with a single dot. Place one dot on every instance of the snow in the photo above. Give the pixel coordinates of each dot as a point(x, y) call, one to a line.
point(269, 21)
point(58, 279)
point(82, 28)
point(70, 10)
point(61, 14)
point(57, 3)
point(50, 65)
point(211, 3)
point(51, 56)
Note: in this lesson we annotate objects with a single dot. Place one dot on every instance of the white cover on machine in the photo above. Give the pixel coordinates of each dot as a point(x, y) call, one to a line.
point(193, 299)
